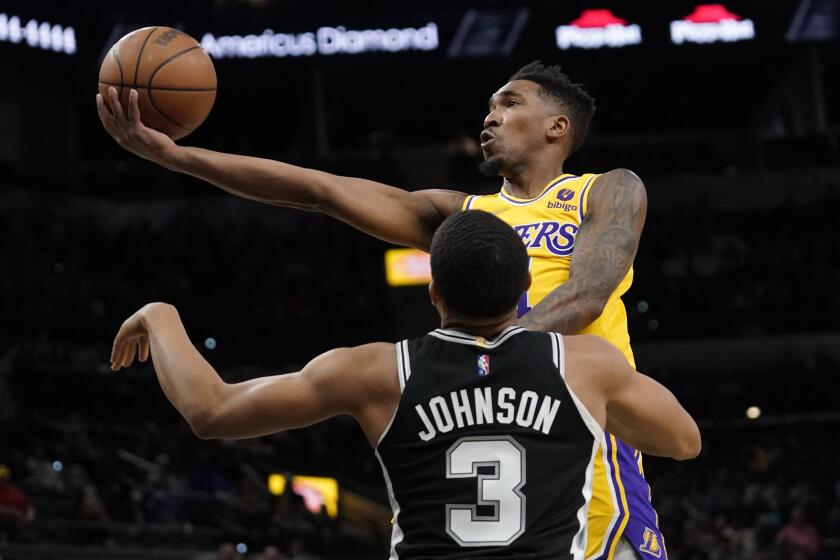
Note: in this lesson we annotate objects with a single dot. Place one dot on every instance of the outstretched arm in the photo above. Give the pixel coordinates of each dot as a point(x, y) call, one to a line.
point(359, 381)
point(386, 212)
point(630, 405)
point(604, 251)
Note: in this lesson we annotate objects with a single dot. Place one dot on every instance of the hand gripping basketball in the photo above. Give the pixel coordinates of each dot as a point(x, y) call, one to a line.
point(174, 78)
point(129, 131)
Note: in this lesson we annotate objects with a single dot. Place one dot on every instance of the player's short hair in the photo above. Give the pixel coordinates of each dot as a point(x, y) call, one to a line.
point(556, 85)
point(479, 265)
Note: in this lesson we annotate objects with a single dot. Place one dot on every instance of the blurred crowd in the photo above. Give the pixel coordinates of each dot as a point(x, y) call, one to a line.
point(754, 494)
point(154, 484)
point(278, 286)
point(94, 458)
point(708, 272)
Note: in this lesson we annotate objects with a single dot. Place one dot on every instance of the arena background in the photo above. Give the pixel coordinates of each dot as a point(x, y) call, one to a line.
point(735, 303)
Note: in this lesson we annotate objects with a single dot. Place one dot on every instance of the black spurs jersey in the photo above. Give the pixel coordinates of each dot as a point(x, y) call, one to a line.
point(489, 454)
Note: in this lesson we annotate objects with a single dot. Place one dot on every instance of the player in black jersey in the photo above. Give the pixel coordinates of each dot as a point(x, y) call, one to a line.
point(486, 431)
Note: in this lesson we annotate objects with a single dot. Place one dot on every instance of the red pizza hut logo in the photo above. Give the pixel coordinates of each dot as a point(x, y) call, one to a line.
point(711, 23)
point(597, 28)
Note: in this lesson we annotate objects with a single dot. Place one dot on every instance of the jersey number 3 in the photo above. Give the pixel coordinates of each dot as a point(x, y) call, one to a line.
point(499, 489)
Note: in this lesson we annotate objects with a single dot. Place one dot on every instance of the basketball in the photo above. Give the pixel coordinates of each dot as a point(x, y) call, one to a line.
point(172, 74)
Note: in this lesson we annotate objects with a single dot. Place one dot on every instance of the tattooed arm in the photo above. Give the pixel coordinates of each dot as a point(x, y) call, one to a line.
point(604, 250)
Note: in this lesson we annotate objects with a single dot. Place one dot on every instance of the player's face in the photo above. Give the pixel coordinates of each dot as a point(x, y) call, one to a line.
point(516, 125)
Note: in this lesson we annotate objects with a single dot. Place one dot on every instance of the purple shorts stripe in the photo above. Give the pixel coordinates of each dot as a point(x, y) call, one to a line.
point(642, 529)
point(640, 523)
point(619, 522)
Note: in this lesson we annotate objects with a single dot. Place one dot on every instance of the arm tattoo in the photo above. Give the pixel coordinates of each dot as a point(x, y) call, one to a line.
point(604, 250)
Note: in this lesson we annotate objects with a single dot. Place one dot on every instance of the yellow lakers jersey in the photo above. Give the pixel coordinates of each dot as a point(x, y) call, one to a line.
point(548, 225)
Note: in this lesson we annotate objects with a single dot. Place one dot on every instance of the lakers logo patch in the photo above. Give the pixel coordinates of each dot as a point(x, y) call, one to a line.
point(651, 545)
point(483, 368)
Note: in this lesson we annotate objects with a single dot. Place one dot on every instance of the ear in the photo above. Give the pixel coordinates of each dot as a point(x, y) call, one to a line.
point(433, 294)
point(528, 281)
point(560, 126)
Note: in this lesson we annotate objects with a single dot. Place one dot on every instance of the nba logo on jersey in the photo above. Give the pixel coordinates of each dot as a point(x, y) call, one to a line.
point(651, 545)
point(483, 365)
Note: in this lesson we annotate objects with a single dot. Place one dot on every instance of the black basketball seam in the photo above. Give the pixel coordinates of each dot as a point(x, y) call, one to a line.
point(152, 77)
point(115, 53)
point(161, 113)
point(140, 54)
point(167, 61)
point(162, 88)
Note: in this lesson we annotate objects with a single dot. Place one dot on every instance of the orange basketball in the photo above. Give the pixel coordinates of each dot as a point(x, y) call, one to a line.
point(172, 74)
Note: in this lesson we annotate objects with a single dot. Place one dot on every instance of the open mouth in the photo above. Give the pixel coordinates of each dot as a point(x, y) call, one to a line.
point(487, 138)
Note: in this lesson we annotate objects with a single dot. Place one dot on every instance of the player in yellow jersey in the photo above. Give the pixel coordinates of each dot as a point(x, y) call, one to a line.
point(581, 233)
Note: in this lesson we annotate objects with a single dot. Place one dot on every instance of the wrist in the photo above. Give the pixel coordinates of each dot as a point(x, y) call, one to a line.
point(154, 312)
point(172, 157)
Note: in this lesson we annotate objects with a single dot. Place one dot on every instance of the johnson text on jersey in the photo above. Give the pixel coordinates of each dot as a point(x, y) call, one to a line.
point(442, 414)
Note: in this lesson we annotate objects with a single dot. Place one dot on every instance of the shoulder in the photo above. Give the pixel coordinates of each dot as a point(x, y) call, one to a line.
point(619, 190)
point(443, 202)
point(588, 347)
point(620, 179)
point(486, 202)
point(373, 355)
point(374, 364)
point(356, 376)
point(591, 357)
point(354, 365)
point(372, 349)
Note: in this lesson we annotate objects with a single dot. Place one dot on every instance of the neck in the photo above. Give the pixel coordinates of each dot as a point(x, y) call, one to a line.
point(528, 179)
point(488, 328)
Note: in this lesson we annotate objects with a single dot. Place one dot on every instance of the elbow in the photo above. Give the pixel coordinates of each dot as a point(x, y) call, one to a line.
point(591, 310)
point(207, 414)
point(203, 424)
point(690, 446)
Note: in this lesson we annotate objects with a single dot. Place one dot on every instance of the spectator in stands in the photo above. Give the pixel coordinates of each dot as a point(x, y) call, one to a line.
point(299, 551)
point(15, 507)
point(799, 537)
point(271, 553)
point(830, 529)
point(227, 552)
point(91, 507)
